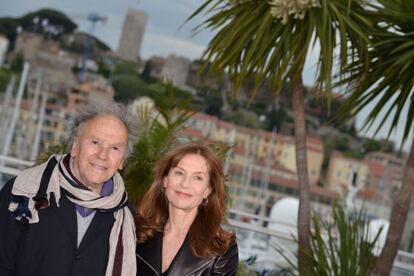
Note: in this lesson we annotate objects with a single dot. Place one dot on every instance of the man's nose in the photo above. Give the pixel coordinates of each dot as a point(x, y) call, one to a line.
point(103, 153)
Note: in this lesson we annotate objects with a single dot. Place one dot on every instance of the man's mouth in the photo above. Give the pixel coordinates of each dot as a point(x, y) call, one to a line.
point(98, 167)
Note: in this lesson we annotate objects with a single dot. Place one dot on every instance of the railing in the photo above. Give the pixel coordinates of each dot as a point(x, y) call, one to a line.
point(12, 166)
point(242, 223)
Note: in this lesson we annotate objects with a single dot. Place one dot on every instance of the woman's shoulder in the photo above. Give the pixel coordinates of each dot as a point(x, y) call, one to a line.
point(232, 250)
point(151, 241)
point(148, 254)
point(228, 262)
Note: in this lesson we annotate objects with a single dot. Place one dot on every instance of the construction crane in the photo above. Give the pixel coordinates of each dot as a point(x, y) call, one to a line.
point(94, 18)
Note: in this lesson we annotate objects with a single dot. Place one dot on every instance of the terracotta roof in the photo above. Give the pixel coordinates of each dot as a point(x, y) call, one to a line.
point(314, 143)
point(188, 131)
point(239, 150)
point(225, 124)
point(203, 116)
point(245, 130)
point(287, 182)
point(370, 194)
point(375, 168)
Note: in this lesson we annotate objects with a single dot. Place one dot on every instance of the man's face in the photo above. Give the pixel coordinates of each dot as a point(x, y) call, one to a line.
point(99, 150)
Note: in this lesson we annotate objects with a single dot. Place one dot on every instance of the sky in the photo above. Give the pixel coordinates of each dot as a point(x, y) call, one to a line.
point(162, 35)
point(165, 31)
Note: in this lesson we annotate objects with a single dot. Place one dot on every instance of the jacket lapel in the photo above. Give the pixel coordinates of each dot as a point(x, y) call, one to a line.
point(66, 215)
point(101, 223)
point(150, 253)
point(185, 263)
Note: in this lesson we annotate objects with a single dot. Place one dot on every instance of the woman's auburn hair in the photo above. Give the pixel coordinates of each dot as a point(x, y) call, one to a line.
point(207, 237)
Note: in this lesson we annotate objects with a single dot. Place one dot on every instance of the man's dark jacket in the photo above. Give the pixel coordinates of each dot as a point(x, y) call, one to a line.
point(49, 247)
point(149, 260)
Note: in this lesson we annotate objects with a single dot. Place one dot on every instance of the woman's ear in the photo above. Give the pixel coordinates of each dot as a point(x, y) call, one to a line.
point(207, 192)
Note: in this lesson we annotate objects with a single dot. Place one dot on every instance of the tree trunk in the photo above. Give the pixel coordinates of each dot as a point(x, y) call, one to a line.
point(397, 221)
point(304, 212)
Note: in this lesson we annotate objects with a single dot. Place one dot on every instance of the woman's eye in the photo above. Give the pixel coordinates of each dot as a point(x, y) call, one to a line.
point(178, 172)
point(198, 178)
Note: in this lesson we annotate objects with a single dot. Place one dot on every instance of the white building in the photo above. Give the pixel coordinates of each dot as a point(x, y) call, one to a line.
point(176, 70)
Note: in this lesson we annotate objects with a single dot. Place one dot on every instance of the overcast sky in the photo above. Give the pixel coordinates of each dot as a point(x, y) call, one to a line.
point(163, 35)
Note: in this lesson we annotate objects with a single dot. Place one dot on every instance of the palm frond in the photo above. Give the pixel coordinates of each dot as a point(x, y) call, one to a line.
point(250, 43)
point(389, 84)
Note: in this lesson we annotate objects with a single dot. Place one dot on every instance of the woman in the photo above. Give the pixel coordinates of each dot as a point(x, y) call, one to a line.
point(178, 223)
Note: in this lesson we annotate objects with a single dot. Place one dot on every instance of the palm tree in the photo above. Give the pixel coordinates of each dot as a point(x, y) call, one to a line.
point(158, 134)
point(271, 40)
point(389, 87)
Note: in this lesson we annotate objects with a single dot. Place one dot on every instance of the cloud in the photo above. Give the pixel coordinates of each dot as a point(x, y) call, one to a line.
point(158, 44)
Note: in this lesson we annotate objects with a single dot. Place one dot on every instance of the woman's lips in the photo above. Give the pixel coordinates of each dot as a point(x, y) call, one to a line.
point(183, 194)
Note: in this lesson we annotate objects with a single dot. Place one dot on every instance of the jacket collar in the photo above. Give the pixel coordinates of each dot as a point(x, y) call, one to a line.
point(150, 253)
point(184, 263)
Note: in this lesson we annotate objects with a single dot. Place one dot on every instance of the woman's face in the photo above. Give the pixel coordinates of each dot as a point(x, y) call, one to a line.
point(188, 183)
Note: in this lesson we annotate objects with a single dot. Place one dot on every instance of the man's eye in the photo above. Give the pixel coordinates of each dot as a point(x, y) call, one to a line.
point(95, 142)
point(115, 148)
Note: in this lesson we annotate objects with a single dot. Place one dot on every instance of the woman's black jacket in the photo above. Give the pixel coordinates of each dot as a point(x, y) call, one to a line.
point(149, 260)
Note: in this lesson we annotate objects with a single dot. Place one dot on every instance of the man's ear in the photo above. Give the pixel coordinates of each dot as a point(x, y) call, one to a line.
point(74, 149)
point(121, 166)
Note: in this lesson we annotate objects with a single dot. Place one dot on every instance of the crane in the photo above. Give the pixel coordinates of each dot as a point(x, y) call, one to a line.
point(94, 18)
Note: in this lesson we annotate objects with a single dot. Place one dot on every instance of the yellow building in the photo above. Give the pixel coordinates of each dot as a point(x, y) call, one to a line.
point(344, 171)
point(260, 146)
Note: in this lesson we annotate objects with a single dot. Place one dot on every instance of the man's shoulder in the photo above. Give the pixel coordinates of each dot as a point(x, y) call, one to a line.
point(26, 178)
point(6, 189)
point(5, 195)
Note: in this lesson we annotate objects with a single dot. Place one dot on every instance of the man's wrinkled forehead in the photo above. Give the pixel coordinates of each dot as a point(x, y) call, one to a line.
point(97, 128)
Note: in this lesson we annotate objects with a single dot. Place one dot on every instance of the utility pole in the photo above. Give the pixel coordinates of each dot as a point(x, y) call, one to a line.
point(231, 140)
point(36, 143)
point(16, 111)
point(5, 110)
point(250, 164)
point(33, 116)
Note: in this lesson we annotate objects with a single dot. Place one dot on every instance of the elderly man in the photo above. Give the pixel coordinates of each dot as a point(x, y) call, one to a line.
point(69, 216)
